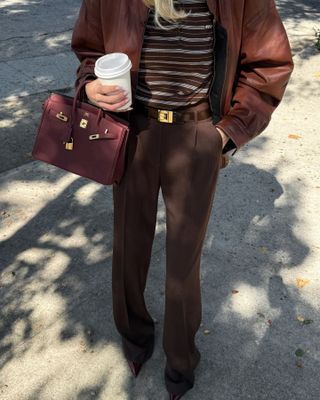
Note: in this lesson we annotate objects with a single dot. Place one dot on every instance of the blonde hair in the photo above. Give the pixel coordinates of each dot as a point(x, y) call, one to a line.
point(166, 10)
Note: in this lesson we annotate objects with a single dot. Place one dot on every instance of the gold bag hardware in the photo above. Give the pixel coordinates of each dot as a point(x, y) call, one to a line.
point(62, 117)
point(96, 135)
point(68, 145)
point(83, 123)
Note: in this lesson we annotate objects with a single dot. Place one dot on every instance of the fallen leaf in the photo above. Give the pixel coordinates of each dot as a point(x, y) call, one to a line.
point(299, 363)
point(235, 291)
point(299, 352)
point(302, 282)
point(263, 249)
point(294, 136)
point(260, 314)
point(269, 321)
point(304, 321)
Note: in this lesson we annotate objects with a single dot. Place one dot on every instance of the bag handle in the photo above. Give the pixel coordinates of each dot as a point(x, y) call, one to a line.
point(76, 98)
point(74, 106)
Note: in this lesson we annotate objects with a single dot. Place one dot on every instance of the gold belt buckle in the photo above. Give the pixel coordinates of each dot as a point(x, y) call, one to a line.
point(165, 116)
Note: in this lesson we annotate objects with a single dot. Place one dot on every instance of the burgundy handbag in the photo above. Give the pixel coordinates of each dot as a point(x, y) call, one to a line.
point(81, 138)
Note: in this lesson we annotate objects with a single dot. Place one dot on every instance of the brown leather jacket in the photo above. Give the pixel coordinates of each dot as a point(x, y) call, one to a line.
point(253, 56)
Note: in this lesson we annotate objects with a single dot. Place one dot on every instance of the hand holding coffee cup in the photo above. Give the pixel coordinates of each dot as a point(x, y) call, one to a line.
point(112, 89)
point(108, 97)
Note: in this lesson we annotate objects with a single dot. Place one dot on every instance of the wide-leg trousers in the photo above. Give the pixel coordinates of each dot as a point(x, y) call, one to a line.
point(183, 159)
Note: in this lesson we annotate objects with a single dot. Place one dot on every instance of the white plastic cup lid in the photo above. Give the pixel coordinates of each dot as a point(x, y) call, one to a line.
point(112, 65)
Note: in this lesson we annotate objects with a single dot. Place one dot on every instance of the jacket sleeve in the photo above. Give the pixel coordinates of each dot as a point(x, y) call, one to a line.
point(87, 41)
point(264, 68)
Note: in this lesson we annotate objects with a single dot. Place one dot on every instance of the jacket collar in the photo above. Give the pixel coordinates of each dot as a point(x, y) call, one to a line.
point(213, 6)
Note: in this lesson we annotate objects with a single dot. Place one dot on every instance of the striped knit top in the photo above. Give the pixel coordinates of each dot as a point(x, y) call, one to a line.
point(176, 65)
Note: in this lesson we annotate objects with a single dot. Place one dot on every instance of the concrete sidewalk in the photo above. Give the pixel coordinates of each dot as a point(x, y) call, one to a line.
point(260, 267)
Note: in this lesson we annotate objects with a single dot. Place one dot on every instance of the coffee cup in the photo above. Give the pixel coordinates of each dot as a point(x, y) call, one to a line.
point(114, 69)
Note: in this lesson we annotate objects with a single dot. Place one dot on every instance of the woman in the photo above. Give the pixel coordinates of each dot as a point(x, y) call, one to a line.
point(206, 77)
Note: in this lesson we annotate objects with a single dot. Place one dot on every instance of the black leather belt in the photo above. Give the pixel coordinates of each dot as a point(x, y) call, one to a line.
point(170, 116)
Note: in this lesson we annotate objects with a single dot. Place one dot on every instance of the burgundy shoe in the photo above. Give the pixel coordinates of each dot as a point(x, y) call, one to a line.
point(135, 367)
point(175, 396)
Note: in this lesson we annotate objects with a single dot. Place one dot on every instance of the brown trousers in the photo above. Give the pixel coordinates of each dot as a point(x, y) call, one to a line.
point(183, 159)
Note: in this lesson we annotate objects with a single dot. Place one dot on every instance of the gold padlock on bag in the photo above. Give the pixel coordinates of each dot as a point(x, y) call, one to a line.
point(69, 145)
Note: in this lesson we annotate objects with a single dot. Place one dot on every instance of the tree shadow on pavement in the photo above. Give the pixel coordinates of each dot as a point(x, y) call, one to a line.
point(42, 25)
point(55, 282)
point(56, 289)
point(299, 18)
point(250, 311)
point(297, 10)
